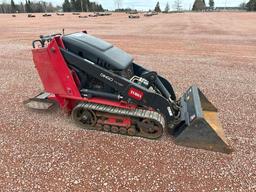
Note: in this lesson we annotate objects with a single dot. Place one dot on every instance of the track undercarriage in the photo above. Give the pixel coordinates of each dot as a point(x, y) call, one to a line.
point(132, 122)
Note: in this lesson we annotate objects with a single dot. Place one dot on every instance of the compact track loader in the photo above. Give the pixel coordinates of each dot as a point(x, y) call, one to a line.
point(104, 89)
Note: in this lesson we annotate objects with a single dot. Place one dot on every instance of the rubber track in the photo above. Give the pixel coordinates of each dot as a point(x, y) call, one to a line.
point(135, 113)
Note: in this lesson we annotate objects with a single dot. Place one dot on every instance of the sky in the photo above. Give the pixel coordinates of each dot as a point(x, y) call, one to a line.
point(149, 4)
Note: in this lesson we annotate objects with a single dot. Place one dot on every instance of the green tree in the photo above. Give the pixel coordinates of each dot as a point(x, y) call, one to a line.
point(78, 5)
point(22, 8)
point(211, 4)
point(199, 5)
point(13, 7)
point(167, 8)
point(251, 5)
point(38, 7)
point(28, 6)
point(50, 7)
point(73, 5)
point(157, 8)
point(81, 5)
point(243, 6)
point(85, 5)
point(66, 6)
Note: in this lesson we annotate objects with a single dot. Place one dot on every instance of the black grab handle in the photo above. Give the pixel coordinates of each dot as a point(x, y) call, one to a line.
point(43, 39)
point(34, 43)
point(48, 37)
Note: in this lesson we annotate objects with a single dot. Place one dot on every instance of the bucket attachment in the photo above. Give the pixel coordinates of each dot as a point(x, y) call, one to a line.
point(199, 126)
point(40, 102)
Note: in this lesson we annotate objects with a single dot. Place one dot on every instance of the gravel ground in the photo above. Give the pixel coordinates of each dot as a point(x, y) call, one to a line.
point(47, 152)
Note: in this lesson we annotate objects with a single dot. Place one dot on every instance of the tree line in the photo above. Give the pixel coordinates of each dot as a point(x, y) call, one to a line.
point(27, 7)
point(251, 5)
point(42, 6)
point(81, 5)
point(177, 6)
point(87, 6)
point(200, 5)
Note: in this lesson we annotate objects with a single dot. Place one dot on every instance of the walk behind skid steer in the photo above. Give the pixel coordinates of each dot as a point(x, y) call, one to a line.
point(104, 89)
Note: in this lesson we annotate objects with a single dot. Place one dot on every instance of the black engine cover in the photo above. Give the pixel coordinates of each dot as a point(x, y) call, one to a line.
point(99, 52)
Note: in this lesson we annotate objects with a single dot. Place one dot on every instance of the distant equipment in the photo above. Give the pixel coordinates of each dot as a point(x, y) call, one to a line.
point(31, 15)
point(133, 12)
point(82, 16)
point(104, 14)
point(148, 14)
point(93, 15)
point(60, 14)
point(133, 16)
point(46, 15)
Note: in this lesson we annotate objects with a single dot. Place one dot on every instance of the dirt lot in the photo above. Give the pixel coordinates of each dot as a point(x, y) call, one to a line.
point(47, 152)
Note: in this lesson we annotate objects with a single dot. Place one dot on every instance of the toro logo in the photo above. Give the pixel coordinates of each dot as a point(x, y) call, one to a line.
point(135, 93)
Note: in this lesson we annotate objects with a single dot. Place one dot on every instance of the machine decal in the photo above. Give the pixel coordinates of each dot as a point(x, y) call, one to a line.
point(135, 93)
point(106, 77)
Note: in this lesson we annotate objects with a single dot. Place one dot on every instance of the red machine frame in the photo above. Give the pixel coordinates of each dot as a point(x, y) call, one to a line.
point(63, 86)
